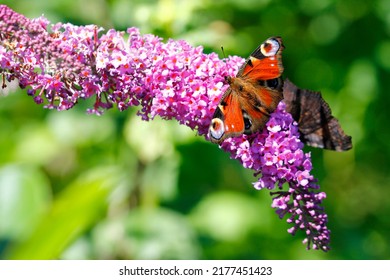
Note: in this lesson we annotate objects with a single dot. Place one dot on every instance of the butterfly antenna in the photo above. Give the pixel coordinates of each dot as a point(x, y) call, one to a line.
point(223, 52)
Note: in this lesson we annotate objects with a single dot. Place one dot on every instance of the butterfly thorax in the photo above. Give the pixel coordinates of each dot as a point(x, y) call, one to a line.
point(242, 86)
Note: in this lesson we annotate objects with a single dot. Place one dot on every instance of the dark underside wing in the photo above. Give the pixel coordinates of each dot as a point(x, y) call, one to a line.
point(317, 126)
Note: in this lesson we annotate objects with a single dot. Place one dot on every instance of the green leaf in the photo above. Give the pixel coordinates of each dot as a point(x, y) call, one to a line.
point(160, 233)
point(24, 198)
point(73, 212)
point(229, 216)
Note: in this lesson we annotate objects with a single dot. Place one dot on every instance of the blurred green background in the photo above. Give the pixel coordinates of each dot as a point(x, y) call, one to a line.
point(79, 186)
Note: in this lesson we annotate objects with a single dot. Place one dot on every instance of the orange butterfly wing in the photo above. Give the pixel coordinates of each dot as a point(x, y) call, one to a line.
point(265, 62)
point(265, 66)
point(227, 119)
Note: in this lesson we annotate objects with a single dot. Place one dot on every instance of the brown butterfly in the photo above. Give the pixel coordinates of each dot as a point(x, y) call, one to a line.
point(253, 94)
point(317, 126)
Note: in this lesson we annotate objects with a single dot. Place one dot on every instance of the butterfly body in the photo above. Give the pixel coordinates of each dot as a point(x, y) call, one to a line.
point(253, 94)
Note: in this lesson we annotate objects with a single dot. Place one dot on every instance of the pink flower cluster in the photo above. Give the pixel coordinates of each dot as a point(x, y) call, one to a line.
point(172, 80)
point(276, 154)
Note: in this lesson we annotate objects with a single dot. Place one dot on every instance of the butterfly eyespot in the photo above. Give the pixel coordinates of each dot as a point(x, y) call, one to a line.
point(270, 47)
point(272, 83)
point(217, 129)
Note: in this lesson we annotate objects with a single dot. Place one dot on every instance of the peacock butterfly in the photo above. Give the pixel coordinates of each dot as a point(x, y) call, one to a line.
point(253, 94)
point(317, 127)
